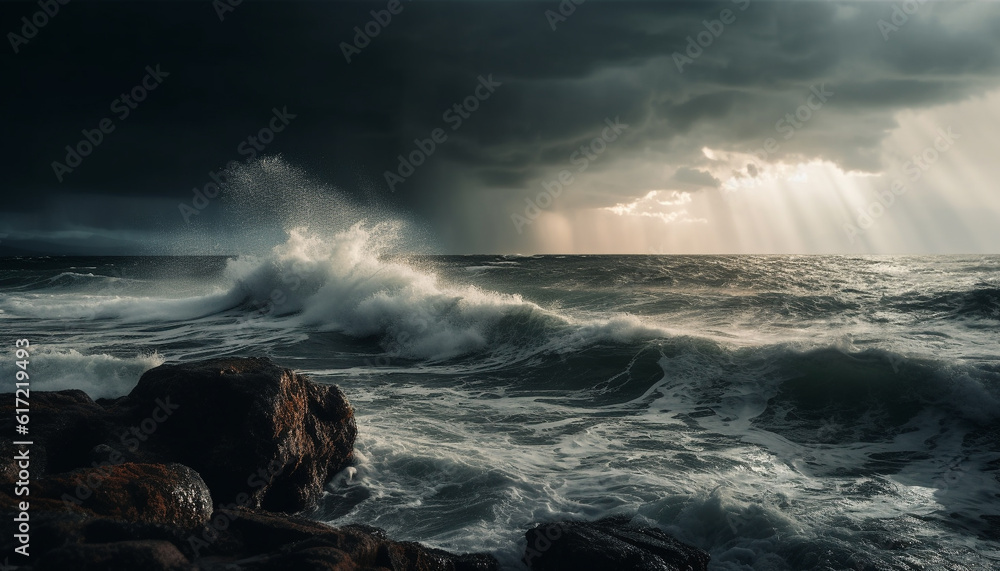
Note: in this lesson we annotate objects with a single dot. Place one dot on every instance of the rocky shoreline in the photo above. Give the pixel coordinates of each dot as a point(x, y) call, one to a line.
point(203, 466)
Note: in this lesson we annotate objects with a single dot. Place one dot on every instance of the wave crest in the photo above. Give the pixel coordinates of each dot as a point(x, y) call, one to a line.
point(345, 284)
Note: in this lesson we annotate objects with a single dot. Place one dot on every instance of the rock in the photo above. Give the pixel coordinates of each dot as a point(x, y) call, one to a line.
point(110, 504)
point(611, 543)
point(247, 426)
point(262, 541)
point(119, 556)
point(125, 483)
point(170, 494)
point(415, 557)
point(51, 530)
point(65, 426)
point(254, 540)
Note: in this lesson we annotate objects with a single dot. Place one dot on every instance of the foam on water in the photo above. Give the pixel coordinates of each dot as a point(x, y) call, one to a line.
point(344, 284)
point(98, 375)
point(694, 453)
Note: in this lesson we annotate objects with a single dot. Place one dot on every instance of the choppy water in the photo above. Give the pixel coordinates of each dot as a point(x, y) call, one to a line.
point(781, 412)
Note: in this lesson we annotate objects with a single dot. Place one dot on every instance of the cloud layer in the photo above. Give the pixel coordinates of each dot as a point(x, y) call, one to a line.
point(702, 87)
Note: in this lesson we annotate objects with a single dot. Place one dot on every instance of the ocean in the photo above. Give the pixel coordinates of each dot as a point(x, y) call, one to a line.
point(780, 412)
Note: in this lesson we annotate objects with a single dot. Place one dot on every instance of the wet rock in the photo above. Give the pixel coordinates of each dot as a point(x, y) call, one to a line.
point(247, 426)
point(65, 426)
point(168, 494)
point(119, 556)
point(612, 543)
point(129, 483)
point(261, 541)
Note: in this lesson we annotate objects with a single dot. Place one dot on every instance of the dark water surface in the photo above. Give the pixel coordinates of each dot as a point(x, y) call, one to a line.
point(781, 412)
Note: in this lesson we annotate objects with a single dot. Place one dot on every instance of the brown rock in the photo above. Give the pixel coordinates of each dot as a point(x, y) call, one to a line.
point(311, 559)
point(170, 494)
point(264, 541)
point(247, 426)
point(119, 556)
point(65, 426)
point(611, 543)
point(124, 483)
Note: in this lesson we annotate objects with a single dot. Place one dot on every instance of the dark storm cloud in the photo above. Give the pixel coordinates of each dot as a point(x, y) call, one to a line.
point(606, 60)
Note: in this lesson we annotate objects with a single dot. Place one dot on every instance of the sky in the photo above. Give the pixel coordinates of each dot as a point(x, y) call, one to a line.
point(746, 126)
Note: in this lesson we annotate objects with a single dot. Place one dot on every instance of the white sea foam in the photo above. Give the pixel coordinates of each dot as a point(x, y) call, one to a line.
point(342, 283)
point(345, 281)
point(98, 375)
